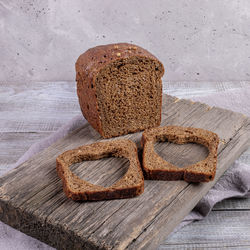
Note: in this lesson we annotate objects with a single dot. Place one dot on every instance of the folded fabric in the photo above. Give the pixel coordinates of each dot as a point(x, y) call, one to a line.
point(234, 183)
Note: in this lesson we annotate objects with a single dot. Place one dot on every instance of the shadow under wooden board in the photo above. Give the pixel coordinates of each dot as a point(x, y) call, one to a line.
point(32, 200)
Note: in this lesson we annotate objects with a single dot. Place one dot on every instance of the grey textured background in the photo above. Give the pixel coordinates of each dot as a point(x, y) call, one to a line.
point(197, 40)
point(204, 40)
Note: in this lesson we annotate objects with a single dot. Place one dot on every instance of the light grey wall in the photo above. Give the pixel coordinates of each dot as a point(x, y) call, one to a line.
point(195, 39)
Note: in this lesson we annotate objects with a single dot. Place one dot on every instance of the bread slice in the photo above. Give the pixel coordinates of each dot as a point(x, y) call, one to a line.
point(130, 185)
point(119, 88)
point(156, 168)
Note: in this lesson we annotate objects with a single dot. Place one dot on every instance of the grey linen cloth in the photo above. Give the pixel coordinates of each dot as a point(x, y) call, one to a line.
point(234, 183)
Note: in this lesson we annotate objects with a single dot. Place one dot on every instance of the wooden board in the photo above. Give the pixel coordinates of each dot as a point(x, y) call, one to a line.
point(226, 223)
point(31, 197)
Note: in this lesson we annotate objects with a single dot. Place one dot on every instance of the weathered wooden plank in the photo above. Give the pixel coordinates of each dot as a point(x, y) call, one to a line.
point(230, 233)
point(191, 89)
point(245, 157)
point(43, 206)
point(32, 107)
point(14, 145)
point(211, 245)
point(233, 204)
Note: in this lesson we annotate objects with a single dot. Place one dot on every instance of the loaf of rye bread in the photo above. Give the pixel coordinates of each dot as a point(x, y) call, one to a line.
point(119, 88)
point(155, 168)
point(130, 185)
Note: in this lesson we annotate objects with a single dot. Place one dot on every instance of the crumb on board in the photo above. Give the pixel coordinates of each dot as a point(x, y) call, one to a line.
point(208, 107)
point(176, 100)
point(223, 141)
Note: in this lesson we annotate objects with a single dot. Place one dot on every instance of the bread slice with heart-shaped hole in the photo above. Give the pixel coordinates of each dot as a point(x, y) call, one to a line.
point(130, 185)
point(156, 168)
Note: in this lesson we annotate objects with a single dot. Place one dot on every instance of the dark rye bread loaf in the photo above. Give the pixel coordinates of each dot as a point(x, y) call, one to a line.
point(130, 185)
point(119, 88)
point(155, 168)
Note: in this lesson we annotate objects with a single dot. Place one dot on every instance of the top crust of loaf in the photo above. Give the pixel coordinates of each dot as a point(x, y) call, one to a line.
point(89, 63)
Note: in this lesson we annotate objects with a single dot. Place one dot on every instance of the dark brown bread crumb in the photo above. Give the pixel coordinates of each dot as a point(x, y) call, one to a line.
point(130, 185)
point(119, 88)
point(155, 168)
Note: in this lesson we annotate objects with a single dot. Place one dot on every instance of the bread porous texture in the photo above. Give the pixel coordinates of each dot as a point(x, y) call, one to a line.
point(122, 93)
point(155, 168)
point(129, 96)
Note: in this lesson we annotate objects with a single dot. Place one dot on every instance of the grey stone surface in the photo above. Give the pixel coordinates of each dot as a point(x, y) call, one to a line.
point(195, 39)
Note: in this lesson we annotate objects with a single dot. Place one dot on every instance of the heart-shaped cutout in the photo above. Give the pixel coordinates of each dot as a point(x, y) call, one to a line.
point(156, 168)
point(103, 172)
point(130, 185)
point(181, 155)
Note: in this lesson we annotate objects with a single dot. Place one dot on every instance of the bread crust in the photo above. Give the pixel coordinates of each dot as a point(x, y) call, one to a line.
point(155, 168)
point(87, 68)
point(130, 185)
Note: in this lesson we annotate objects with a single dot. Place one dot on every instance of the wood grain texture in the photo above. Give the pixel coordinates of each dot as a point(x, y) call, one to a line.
point(38, 207)
point(237, 204)
point(14, 145)
point(35, 106)
point(191, 89)
point(200, 235)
